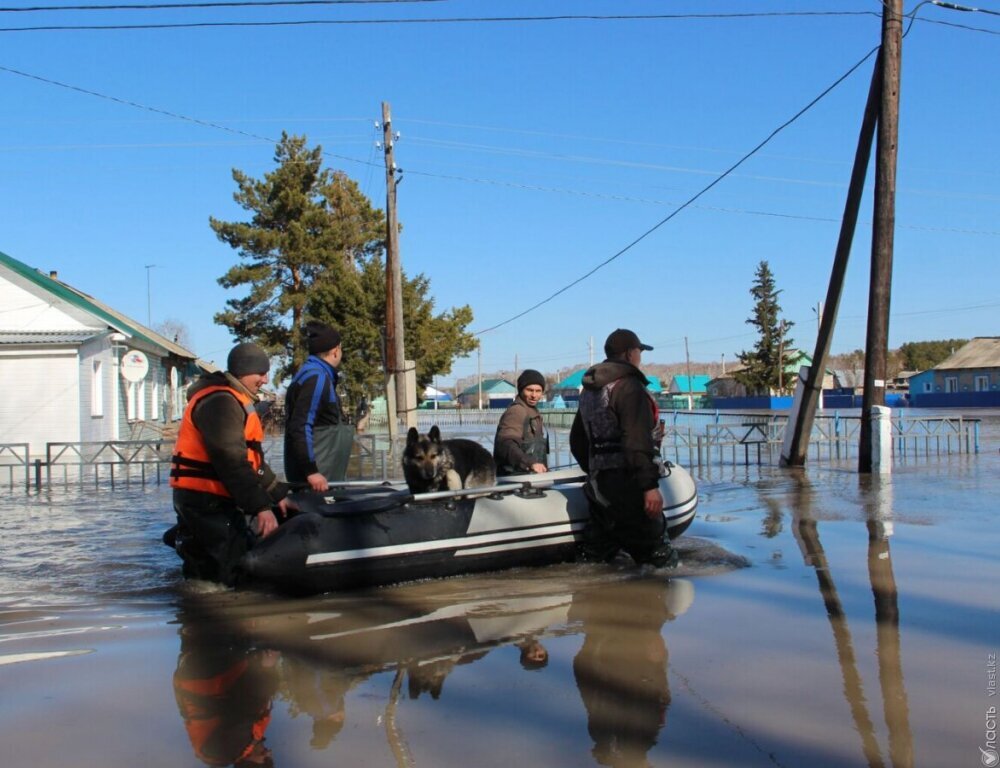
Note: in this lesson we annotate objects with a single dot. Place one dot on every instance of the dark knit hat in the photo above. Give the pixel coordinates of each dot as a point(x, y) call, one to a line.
point(321, 337)
point(247, 358)
point(530, 376)
point(621, 341)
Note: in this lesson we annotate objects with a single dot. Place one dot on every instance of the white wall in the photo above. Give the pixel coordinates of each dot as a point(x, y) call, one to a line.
point(25, 311)
point(41, 400)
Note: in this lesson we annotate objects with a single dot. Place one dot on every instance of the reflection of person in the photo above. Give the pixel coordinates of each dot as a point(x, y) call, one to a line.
point(318, 692)
point(317, 439)
point(223, 690)
point(613, 438)
point(520, 444)
point(621, 668)
point(218, 471)
point(534, 655)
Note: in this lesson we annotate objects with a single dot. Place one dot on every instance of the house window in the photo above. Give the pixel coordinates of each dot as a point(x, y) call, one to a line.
point(154, 403)
point(97, 390)
point(928, 386)
point(951, 383)
point(982, 383)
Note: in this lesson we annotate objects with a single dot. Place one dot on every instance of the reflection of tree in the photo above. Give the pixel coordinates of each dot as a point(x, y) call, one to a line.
point(621, 668)
point(223, 689)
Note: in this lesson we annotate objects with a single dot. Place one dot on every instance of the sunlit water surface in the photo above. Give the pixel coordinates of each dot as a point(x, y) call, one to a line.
point(861, 634)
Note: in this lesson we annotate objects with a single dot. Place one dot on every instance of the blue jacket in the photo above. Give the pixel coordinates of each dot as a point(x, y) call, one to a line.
point(311, 404)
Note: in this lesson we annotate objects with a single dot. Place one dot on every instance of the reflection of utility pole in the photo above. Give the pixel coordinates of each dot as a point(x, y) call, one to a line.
point(149, 299)
point(806, 533)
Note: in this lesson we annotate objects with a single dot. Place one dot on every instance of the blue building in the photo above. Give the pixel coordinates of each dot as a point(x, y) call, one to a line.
point(969, 378)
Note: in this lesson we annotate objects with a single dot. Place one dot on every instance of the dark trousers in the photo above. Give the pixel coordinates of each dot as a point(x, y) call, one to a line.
point(621, 523)
point(212, 536)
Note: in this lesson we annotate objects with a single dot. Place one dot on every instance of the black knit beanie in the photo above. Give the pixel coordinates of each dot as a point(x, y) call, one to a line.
point(529, 377)
point(321, 337)
point(247, 358)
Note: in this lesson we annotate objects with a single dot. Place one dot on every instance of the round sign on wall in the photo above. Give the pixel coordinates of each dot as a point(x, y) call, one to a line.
point(135, 365)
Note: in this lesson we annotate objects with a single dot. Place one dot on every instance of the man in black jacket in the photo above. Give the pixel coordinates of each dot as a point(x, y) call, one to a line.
point(613, 438)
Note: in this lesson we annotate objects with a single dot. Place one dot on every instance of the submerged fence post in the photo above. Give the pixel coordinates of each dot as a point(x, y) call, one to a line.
point(881, 425)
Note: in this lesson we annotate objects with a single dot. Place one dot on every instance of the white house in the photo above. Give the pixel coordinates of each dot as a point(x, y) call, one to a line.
point(75, 370)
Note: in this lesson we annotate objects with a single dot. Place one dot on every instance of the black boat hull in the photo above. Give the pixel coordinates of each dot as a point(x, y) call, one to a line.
point(375, 536)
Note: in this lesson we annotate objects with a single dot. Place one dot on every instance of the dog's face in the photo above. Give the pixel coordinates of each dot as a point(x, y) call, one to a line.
point(424, 454)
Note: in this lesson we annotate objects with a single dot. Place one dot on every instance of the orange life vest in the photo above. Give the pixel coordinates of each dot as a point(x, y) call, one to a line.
point(192, 467)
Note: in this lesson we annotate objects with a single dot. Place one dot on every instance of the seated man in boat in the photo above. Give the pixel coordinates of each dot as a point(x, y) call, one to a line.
point(521, 444)
point(613, 438)
point(218, 472)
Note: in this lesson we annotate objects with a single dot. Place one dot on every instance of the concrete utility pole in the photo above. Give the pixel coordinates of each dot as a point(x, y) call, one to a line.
point(800, 420)
point(883, 228)
point(394, 355)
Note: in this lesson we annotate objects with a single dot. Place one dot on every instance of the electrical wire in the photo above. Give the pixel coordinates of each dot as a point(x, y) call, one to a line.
point(451, 20)
point(234, 4)
point(690, 200)
point(167, 113)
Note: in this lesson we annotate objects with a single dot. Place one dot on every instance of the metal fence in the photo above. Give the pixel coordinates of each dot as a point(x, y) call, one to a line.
point(757, 438)
point(696, 439)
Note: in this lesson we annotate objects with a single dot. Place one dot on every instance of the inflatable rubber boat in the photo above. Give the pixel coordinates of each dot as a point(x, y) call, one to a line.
point(366, 534)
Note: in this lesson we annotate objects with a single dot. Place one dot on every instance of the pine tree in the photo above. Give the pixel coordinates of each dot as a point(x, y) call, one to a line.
point(763, 366)
point(314, 248)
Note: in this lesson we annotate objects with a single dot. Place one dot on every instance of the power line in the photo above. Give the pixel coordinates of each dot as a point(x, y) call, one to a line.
point(690, 200)
point(164, 6)
point(158, 111)
point(451, 20)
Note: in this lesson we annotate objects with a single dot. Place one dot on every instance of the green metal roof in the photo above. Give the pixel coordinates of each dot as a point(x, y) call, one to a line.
point(575, 381)
point(92, 306)
point(496, 386)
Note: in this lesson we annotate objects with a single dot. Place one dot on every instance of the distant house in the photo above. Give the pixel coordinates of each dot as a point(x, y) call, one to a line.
point(969, 378)
point(569, 388)
point(727, 392)
point(496, 393)
point(687, 391)
point(76, 370)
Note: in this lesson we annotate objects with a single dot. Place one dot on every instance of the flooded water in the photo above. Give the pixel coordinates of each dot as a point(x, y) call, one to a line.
point(860, 633)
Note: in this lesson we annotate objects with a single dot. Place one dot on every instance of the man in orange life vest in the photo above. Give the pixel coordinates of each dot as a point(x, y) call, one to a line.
point(219, 475)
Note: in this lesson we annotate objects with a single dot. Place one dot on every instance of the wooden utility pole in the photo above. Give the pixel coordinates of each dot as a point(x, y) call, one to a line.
point(394, 355)
point(687, 362)
point(803, 414)
point(883, 228)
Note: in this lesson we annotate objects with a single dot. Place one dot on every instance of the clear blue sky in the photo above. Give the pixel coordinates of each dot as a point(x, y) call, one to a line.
point(532, 151)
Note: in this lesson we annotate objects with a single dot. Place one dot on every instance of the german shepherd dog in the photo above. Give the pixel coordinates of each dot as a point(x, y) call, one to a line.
point(432, 464)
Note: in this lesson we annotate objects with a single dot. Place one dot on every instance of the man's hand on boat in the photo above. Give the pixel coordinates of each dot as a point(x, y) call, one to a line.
point(538, 468)
point(318, 482)
point(267, 520)
point(653, 502)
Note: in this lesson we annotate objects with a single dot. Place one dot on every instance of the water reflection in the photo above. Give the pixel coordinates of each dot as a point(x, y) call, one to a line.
point(621, 668)
point(240, 653)
point(883, 585)
point(224, 687)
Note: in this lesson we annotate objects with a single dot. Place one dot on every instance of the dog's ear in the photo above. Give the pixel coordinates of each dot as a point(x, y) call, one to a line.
point(412, 436)
point(434, 434)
